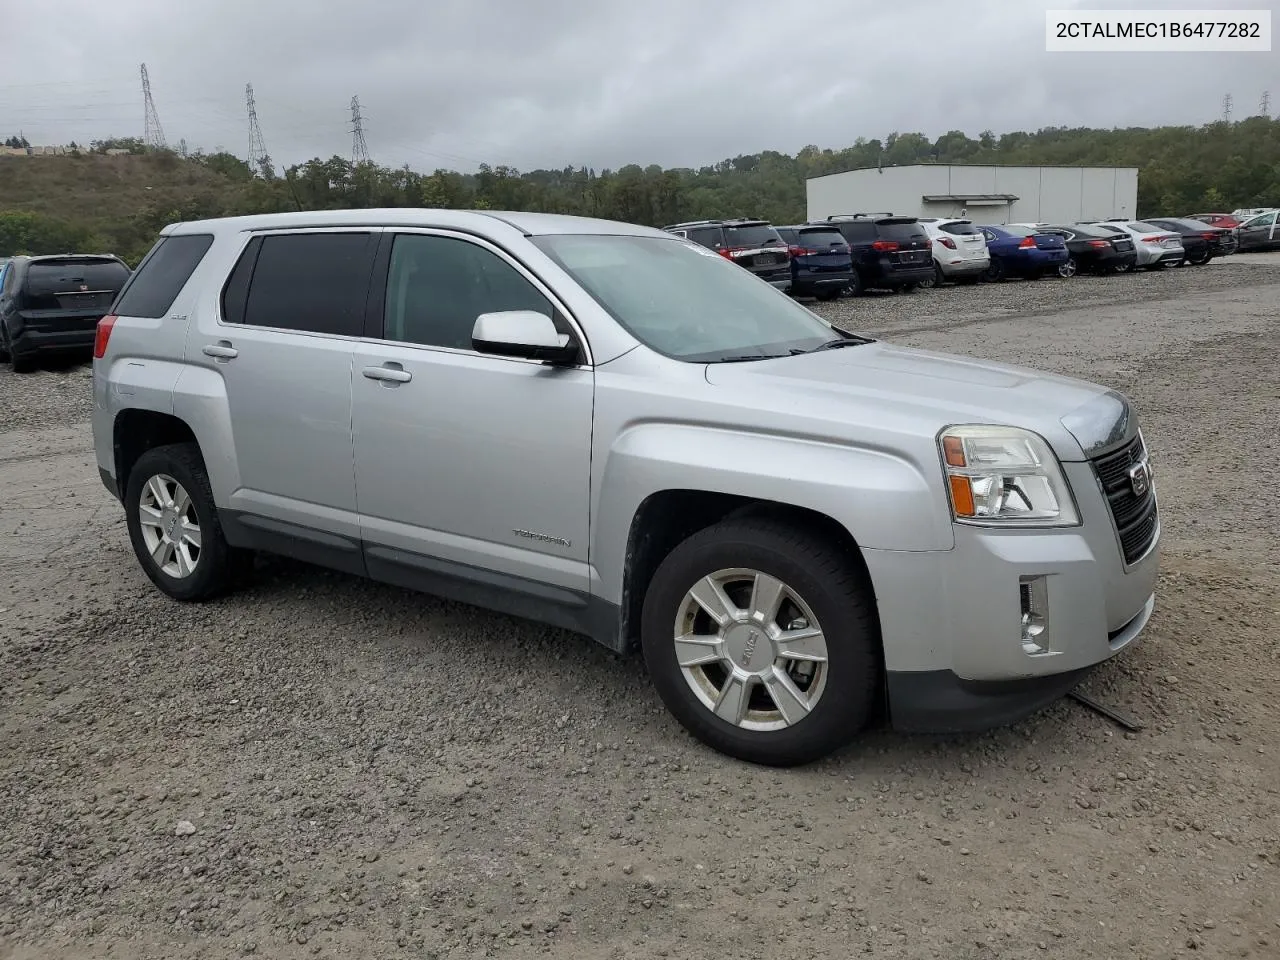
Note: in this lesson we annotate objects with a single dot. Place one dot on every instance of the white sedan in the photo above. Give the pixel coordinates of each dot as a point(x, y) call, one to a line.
point(1156, 248)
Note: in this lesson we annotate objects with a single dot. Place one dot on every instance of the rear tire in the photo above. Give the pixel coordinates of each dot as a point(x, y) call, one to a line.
point(174, 527)
point(21, 364)
point(994, 271)
point(836, 695)
point(856, 286)
point(827, 295)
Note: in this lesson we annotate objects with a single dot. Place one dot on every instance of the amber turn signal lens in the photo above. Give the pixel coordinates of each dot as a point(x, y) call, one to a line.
point(953, 448)
point(962, 497)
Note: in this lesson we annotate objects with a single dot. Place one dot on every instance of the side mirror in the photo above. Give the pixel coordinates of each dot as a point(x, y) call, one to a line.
point(522, 333)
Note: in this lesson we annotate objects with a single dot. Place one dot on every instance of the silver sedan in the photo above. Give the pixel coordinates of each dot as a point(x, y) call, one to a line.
point(1156, 248)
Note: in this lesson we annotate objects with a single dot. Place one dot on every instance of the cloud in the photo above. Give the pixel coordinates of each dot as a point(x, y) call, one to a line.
point(570, 82)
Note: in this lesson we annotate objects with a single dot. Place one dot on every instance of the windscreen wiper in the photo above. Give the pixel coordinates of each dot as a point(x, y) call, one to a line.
point(850, 341)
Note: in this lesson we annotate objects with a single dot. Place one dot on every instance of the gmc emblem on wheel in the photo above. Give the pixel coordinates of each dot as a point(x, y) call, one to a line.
point(750, 649)
point(1140, 479)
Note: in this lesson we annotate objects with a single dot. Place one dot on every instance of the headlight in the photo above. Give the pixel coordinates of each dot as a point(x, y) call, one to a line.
point(1004, 476)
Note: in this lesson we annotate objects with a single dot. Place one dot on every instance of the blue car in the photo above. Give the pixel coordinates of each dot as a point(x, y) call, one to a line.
point(821, 264)
point(1022, 252)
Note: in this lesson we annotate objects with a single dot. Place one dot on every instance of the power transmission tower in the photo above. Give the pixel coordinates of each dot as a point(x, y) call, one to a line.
point(152, 132)
point(1266, 104)
point(257, 146)
point(1226, 109)
point(182, 147)
point(359, 149)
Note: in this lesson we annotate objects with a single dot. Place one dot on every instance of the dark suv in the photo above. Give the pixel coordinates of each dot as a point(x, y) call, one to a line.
point(753, 244)
point(53, 304)
point(820, 263)
point(889, 252)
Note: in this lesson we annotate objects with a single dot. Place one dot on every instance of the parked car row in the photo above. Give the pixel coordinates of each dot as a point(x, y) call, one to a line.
point(850, 253)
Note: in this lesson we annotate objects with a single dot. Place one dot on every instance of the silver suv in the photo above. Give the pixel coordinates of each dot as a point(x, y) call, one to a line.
point(616, 431)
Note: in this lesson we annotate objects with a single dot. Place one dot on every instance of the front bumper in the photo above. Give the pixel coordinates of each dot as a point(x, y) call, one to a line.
point(965, 634)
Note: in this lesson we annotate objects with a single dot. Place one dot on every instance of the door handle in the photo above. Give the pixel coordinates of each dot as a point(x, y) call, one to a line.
point(388, 372)
point(222, 350)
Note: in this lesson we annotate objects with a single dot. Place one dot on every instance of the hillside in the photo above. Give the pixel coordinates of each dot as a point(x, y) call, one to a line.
point(117, 203)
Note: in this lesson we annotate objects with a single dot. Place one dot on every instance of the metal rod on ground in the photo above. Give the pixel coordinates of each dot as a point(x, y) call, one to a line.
point(1096, 707)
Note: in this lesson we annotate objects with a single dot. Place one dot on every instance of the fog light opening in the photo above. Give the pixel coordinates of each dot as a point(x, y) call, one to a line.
point(1033, 595)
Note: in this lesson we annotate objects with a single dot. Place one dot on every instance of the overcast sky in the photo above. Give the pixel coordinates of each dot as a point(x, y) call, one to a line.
point(549, 83)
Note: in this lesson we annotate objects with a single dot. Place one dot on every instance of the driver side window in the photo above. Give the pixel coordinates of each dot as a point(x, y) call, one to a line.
point(437, 286)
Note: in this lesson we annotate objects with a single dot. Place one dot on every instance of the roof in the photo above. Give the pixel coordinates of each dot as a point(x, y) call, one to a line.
point(976, 166)
point(978, 198)
point(530, 224)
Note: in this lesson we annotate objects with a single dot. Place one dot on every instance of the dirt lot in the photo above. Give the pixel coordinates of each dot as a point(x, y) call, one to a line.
point(368, 772)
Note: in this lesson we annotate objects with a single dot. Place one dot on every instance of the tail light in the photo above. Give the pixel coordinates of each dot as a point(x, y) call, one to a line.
point(1027, 243)
point(928, 244)
point(725, 252)
point(1099, 243)
point(885, 246)
point(102, 336)
point(946, 242)
point(1209, 236)
point(796, 251)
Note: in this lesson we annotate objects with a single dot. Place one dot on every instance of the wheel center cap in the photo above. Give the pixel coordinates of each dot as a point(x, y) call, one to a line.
point(748, 647)
point(169, 524)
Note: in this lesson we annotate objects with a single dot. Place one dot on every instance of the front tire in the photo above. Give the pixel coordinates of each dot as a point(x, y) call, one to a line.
point(763, 641)
point(174, 527)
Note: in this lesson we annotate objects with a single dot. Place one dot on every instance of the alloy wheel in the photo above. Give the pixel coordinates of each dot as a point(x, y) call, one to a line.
point(1068, 269)
point(170, 527)
point(751, 649)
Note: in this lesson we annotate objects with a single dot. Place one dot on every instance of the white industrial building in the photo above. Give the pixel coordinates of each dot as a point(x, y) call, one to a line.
point(984, 194)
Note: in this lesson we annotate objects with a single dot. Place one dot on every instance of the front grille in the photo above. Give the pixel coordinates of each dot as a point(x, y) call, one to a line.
point(1135, 516)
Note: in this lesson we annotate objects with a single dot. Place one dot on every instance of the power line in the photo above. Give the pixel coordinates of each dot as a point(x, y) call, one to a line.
point(359, 149)
point(257, 146)
point(1226, 109)
point(152, 132)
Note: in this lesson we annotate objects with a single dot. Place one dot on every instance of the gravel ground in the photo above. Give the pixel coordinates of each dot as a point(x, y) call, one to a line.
point(320, 766)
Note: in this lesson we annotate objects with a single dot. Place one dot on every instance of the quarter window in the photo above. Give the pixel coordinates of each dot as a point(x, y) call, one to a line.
point(437, 286)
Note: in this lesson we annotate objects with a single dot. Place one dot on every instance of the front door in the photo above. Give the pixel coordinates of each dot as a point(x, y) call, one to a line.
point(470, 468)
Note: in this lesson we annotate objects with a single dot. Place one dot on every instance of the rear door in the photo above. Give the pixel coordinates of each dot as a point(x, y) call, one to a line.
point(821, 250)
point(756, 247)
point(279, 344)
point(968, 239)
point(904, 243)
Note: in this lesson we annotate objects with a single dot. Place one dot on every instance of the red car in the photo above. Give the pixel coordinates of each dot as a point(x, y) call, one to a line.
point(1224, 220)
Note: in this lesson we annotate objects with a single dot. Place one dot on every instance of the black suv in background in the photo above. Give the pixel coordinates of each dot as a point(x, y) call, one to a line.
point(889, 252)
point(752, 244)
point(820, 263)
point(53, 304)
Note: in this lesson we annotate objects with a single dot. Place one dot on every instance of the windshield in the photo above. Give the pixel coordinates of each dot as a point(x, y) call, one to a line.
point(685, 301)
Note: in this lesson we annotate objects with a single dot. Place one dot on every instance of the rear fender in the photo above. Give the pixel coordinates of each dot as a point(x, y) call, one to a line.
point(200, 400)
point(880, 498)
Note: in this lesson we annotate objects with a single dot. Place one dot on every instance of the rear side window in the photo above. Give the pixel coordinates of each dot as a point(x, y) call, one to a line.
point(70, 283)
point(787, 235)
point(959, 229)
point(162, 275)
point(313, 282)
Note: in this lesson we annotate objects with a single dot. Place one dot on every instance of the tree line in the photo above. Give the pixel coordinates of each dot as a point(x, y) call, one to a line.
point(1218, 166)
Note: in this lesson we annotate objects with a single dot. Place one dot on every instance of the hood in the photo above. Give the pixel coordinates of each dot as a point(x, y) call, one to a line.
point(920, 391)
